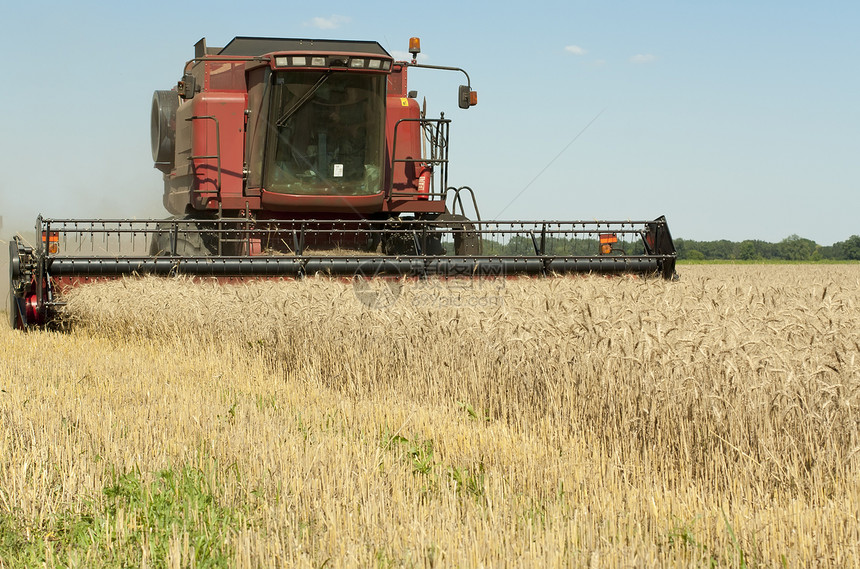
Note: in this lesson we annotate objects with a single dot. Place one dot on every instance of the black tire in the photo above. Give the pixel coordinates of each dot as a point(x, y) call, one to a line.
point(15, 305)
point(467, 241)
point(11, 306)
point(163, 128)
point(397, 244)
point(17, 314)
point(405, 244)
point(186, 244)
point(162, 246)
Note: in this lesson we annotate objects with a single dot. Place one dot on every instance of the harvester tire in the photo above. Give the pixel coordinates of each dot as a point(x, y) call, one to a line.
point(163, 129)
point(15, 304)
point(407, 243)
point(187, 244)
point(17, 312)
point(12, 307)
point(397, 244)
point(467, 241)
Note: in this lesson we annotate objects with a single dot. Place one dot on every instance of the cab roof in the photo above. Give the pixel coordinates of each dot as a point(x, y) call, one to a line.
point(254, 46)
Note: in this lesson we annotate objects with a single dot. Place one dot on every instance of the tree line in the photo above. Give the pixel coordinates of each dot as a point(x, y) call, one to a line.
point(792, 248)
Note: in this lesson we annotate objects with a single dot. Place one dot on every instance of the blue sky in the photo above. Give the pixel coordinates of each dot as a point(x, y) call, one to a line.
point(737, 120)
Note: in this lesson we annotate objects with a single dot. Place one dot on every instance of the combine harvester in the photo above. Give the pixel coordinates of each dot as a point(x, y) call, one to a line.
point(290, 157)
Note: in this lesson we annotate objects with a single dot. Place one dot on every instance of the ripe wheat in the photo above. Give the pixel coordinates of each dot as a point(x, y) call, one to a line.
point(571, 421)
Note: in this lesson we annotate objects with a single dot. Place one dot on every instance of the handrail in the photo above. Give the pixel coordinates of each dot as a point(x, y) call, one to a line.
point(216, 156)
point(442, 160)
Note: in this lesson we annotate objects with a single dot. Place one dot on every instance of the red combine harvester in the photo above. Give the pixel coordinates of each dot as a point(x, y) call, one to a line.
point(293, 157)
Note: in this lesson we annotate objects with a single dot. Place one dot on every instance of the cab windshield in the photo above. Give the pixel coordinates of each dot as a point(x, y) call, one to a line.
point(327, 133)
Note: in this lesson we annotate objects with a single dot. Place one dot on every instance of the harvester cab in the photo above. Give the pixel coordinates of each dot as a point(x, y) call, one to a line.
point(283, 158)
point(268, 128)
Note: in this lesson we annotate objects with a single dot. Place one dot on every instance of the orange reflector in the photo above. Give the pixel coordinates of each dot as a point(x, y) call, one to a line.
point(473, 98)
point(605, 249)
point(608, 238)
point(52, 241)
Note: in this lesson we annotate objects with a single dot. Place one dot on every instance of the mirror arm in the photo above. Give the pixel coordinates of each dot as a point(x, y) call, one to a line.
point(443, 68)
point(466, 97)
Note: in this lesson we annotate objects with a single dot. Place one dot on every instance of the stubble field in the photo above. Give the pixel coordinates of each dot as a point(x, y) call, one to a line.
point(587, 421)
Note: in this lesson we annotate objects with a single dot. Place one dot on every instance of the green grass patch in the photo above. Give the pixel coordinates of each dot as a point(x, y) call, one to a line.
point(468, 480)
point(131, 521)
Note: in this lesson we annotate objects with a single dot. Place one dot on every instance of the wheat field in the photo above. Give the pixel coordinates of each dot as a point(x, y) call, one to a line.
point(568, 422)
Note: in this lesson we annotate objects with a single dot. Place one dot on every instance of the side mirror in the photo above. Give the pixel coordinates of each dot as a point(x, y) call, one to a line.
point(187, 87)
point(466, 97)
